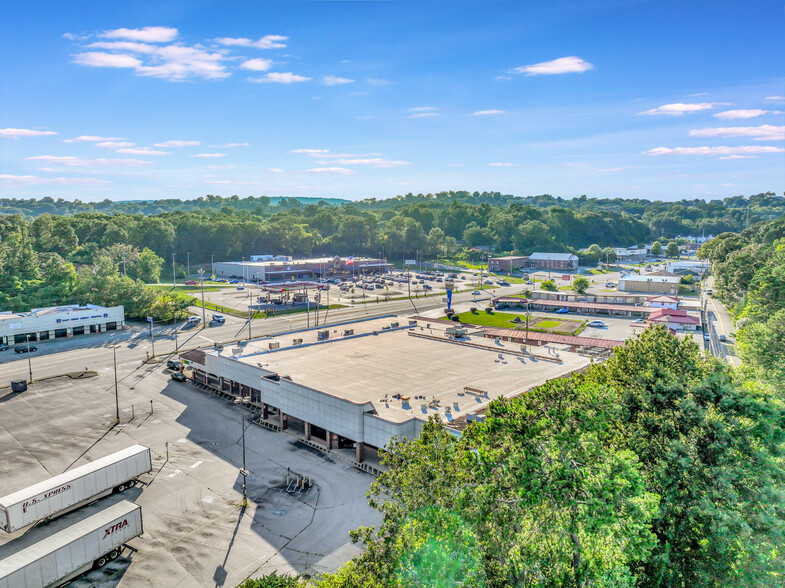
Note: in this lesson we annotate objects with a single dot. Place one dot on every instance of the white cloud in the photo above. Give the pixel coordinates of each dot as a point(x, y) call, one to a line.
point(101, 59)
point(209, 155)
point(679, 109)
point(113, 144)
point(72, 161)
point(146, 34)
point(562, 65)
point(749, 113)
point(335, 81)
point(177, 143)
point(257, 64)
point(142, 151)
point(456, 165)
point(423, 114)
point(486, 112)
point(232, 183)
point(422, 108)
point(275, 170)
point(329, 170)
point(377, 82)
point(375, 161)
point(739, 157)
point(280, 78)
point(722, 150)
point(774, 98)
point(502, 164)
point(609, 169)
point(502, 78)
point(312, 152)
point(761, 133)
point(266, 42)
point(92, 139)
point(220, 167)
point(230, 145)
point(171, 62)
point(38, 181)
point(17, 133)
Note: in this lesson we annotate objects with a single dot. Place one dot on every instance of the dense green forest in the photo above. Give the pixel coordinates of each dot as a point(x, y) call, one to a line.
point(51, 250)
point(749, 270)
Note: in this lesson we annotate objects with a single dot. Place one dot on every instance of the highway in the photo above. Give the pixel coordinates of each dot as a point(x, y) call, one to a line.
point(94, 352)
point(720, 322)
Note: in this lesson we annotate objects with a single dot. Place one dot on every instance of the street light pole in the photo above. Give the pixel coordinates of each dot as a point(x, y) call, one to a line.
point(29, 362)
point(201, 281)
point(245, 471)
point(152, 338)
point(116, 391)
point(188, 265)
point(174, 277)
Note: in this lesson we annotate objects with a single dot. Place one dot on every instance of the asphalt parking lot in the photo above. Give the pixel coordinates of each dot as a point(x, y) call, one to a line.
point(196, 533)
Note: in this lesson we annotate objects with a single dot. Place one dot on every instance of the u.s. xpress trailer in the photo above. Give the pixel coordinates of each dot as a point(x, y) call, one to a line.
point(51, 554)
point(74, 488)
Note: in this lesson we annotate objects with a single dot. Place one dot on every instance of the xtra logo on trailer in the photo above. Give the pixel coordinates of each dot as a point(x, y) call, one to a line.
point(28, 503)
point(115, 527)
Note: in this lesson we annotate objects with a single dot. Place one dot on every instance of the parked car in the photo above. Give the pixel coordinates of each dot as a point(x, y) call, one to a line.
point(723, 338)
point(610, 284)
point(173, 364)
point(241, 287)
point(563, 311)
point(427, 287)
point(476, 293)
point(192, 320)
point(25, 348)
point(596, 323)
point(639, 320)
point(178, 376)
point(504, 283)
point(529, 282)
point(706, 337)
point(234, 281)
point(3, 347)
point(217, 318)
point(709, 292)
point(191, 283)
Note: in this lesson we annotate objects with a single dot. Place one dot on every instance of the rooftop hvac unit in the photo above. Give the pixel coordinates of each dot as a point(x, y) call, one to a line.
point(274, 345)
point(322, 335)
point(393, 325)
point(348, 332)
point(297, 341)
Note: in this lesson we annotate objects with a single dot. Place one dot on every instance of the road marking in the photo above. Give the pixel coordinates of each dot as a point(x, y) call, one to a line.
point(182, 440)
point(174, 473)
point(197, 464)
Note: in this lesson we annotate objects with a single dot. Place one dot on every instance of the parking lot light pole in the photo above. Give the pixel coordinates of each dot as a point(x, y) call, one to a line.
point(245, 471)
point(116, 391)
point(29, 362)
point(201, 281)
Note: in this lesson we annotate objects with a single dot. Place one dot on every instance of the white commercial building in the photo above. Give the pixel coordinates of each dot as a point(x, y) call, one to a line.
point(360, 384)
point(697, 268)
point(297, 269)
point(649, 283)
point(54, 322)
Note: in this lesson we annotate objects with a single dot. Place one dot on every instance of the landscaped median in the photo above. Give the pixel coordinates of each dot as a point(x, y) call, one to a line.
point(509, 320)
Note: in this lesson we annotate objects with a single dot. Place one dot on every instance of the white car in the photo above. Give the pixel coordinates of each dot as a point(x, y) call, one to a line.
point(193, 320)
point(476, 293)
point(596, 324)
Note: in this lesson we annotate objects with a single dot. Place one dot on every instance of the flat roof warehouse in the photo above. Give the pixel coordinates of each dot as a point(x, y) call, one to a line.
point(363, 383)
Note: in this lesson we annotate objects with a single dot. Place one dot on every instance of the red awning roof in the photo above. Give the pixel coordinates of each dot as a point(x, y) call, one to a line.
point(585, 305)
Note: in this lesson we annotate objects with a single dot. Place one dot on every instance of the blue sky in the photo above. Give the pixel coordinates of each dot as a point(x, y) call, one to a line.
point(178, 99)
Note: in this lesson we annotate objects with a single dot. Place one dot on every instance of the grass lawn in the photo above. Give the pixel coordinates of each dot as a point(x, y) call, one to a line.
point(504, 320)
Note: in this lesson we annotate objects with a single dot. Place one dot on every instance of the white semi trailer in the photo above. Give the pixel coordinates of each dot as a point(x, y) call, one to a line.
point(51, 554)
point(74, 488)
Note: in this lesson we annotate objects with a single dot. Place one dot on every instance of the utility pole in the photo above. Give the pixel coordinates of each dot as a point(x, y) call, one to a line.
point(188, 265)
point(212, 266)
point(244, 472)
point(29, 361)
point(201, 281)
point(174, 278)
point(152, 338)
point(116, 392)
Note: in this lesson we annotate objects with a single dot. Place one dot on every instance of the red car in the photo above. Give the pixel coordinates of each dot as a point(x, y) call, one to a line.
point(191, 283)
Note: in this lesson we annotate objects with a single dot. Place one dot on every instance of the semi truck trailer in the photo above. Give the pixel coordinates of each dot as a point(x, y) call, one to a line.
point(54, 553)
point(72, 489)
